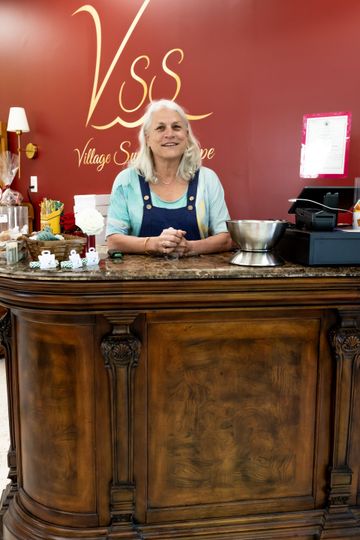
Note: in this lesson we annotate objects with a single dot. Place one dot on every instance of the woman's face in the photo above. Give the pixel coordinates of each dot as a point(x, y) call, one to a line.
point(167, 135)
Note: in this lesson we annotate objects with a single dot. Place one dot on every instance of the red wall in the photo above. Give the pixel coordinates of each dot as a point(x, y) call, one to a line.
point(256, 65)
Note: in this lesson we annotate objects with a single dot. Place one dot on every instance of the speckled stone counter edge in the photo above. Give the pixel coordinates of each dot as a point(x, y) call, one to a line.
point(203, 267)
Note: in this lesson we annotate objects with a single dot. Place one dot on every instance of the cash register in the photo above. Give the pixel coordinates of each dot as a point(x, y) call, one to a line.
point(321, 236)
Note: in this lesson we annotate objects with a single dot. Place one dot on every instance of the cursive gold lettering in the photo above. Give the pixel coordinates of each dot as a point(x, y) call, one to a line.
point(128, 156)
point(207, 153)
point(170, 72)
point(96, 93)
point(83, 153)
point(89, 156)
point(140, 80)
point(98, 89)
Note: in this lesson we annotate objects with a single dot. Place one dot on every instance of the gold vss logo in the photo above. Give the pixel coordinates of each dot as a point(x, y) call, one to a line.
point(88, 155)
point(98, 87)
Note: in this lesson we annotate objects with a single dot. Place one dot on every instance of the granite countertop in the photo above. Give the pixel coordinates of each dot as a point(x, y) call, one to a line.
point(203, 267)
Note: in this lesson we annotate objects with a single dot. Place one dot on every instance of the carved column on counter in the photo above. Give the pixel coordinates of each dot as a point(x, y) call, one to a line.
point(345, 343)
point(121, 350)
point(11, 488)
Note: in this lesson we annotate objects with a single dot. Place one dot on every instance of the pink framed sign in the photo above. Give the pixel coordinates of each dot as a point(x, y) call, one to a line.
point(325, 144)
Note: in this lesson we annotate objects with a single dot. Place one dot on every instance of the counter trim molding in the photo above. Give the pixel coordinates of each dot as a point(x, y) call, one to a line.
point(121, 351)
point(345, 342)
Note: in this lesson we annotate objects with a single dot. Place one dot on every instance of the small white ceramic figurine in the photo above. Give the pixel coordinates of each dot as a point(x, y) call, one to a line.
point(75, 259)
point(92, 257)
point(47, 260)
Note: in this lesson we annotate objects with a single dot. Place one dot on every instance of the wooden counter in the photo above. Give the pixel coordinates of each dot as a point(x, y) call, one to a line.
point(182, 399)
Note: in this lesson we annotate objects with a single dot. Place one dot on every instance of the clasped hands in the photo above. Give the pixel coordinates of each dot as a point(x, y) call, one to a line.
point(173, 241)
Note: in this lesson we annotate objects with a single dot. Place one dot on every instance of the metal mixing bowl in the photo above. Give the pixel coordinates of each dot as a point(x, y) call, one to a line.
point(256, 234)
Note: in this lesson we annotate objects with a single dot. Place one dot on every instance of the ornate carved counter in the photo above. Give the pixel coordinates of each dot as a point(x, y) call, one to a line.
point(177, 399)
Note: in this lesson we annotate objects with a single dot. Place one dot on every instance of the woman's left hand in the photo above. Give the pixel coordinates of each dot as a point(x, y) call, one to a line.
point(174, 241)
point(183, 249)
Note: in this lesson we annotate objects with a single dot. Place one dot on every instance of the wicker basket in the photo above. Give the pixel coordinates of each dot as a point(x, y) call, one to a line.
point(60, 248)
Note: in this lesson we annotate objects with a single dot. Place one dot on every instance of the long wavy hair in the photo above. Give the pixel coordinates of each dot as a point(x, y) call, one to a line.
point(144, 161)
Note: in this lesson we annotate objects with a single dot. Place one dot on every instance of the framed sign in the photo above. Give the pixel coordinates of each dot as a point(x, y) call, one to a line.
point(325, 145)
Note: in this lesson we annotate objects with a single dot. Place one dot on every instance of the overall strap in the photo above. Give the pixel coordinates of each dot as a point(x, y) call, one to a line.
point(145, 190)
point(192, 191)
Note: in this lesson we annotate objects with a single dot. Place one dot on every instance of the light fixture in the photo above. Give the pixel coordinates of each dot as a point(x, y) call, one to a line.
point(18, 123)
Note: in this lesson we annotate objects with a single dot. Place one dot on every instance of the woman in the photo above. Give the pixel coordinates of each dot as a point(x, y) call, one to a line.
point(166, 203)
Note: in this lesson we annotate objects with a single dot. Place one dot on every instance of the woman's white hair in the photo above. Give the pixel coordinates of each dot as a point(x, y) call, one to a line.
point(144, 162)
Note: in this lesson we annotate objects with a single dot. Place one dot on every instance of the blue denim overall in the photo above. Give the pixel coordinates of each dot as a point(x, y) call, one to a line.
point(156, 219)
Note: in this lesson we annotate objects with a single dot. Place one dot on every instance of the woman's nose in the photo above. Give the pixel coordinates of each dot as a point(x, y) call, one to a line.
point(169, 132)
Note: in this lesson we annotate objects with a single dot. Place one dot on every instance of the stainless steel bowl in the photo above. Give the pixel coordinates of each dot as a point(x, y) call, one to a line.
point(256, 234)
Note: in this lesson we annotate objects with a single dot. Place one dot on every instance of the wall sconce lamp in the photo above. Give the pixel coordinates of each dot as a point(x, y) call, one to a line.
point(18, 123)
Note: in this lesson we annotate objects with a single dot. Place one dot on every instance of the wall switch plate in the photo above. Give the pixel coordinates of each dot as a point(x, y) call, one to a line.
point(33, 184)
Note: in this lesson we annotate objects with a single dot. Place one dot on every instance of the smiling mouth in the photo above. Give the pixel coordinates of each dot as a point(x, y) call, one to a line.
point(169, 144)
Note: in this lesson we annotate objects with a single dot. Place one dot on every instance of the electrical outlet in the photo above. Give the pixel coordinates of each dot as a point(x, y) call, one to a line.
point(33, 184)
